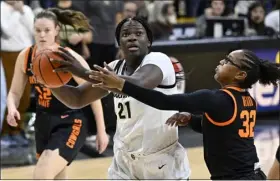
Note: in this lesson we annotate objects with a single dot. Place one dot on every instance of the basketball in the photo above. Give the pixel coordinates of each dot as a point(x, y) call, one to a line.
point(43, 68)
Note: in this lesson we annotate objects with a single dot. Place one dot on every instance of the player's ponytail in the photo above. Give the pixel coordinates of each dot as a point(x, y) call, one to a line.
point(264, 71)
point(73, 18)
point(269, 72)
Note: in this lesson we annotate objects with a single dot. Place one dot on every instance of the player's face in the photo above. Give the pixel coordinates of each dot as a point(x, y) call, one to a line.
point(133, 39)
point(229, 70)
point(45, 32)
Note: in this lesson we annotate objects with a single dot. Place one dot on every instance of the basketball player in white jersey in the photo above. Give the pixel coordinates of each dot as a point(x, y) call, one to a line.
point(144, 146)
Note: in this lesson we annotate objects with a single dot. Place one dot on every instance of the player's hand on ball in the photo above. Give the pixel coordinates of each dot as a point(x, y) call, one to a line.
point(69, 64)
point(107, 78)
point(12, 117)
point(179, 119)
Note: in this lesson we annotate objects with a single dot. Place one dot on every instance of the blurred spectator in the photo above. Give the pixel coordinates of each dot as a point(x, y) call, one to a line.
point(203, 5)
point(104, 16)
point(150, 8)
point(165, 16)
point(69, 37)
point(217, 9)
point(272, 19)
point(16, 34)
point(255, 21)
point(36, 6)
point(241, 7)
point(77, 40)
point(142, 10)
point(130, 9)
point(3, 94)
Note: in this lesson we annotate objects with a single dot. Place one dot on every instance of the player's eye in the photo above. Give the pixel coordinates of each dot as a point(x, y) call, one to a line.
point(125, 34)
point(139, 33)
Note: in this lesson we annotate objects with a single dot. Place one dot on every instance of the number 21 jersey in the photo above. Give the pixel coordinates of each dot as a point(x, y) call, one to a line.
point(141, 128)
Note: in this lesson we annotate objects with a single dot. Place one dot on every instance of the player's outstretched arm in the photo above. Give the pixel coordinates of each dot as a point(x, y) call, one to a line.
point(78, 97)
point(84, 94)
point(202, 100)
point(74, 64)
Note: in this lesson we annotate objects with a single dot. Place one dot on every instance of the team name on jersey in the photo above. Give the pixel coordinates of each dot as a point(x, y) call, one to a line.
point(119, 96)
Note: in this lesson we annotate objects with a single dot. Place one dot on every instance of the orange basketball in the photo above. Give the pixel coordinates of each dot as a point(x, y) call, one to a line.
point(43, 68)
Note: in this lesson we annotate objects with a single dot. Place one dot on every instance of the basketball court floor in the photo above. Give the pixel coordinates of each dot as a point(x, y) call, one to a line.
point(266, 141)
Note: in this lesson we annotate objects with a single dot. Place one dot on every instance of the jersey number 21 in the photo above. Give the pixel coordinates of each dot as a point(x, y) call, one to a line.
point(124, 110)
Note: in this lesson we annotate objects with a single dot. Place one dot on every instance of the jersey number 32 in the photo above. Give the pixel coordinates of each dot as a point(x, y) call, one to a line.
point(249, 120)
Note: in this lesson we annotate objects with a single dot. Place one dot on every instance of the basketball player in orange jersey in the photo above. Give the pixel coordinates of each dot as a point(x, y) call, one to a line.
point(60, 132)
point(229, 114)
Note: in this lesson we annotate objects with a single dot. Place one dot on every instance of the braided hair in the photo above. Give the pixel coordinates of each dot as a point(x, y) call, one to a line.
point(264, 71)
point(141, 21)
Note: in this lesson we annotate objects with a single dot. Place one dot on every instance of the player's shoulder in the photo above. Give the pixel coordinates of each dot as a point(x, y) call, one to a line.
point(24, 52)
point(114, 63)
point(158, 58)
point(158, 55)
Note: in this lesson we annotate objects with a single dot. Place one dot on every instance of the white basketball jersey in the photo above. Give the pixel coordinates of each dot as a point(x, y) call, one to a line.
point(141, 128)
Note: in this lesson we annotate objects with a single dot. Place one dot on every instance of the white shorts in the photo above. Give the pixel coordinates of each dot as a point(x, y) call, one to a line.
point(169, 163)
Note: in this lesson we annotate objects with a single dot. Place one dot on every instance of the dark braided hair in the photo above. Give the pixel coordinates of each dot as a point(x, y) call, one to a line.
point(142, 21)
point(264, 71)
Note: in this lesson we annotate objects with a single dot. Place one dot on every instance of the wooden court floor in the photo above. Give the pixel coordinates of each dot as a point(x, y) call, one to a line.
point(97, 168)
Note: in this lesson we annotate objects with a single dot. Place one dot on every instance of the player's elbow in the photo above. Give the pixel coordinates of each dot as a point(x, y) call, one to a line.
point(80, 102)
point(75, 104)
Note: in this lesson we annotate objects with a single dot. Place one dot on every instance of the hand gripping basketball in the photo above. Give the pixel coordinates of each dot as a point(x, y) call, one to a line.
point(69, 64)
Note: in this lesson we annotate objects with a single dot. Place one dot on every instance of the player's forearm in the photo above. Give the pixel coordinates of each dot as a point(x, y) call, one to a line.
point(98, 114)
point(130, 79)
point(13, 100)
point(152, 98)
point(78, 97)
point(68, 95)
point(196, 123)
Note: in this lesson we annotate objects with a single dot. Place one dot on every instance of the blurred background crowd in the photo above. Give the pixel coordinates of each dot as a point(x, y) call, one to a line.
point(171, 20)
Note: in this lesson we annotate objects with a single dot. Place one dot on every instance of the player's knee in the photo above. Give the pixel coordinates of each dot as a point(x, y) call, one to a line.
point(45, 168)
point(43, 173)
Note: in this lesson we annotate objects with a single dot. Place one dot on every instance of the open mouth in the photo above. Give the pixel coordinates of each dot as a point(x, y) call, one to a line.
point(133, 48)
point(43, 41)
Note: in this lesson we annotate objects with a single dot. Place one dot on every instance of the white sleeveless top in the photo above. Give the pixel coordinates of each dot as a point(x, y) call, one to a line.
point(141, 128)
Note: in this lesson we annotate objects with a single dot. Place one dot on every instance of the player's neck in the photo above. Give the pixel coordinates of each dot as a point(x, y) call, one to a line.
point(43, 47)
point(134, 62)
point(231, 85)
